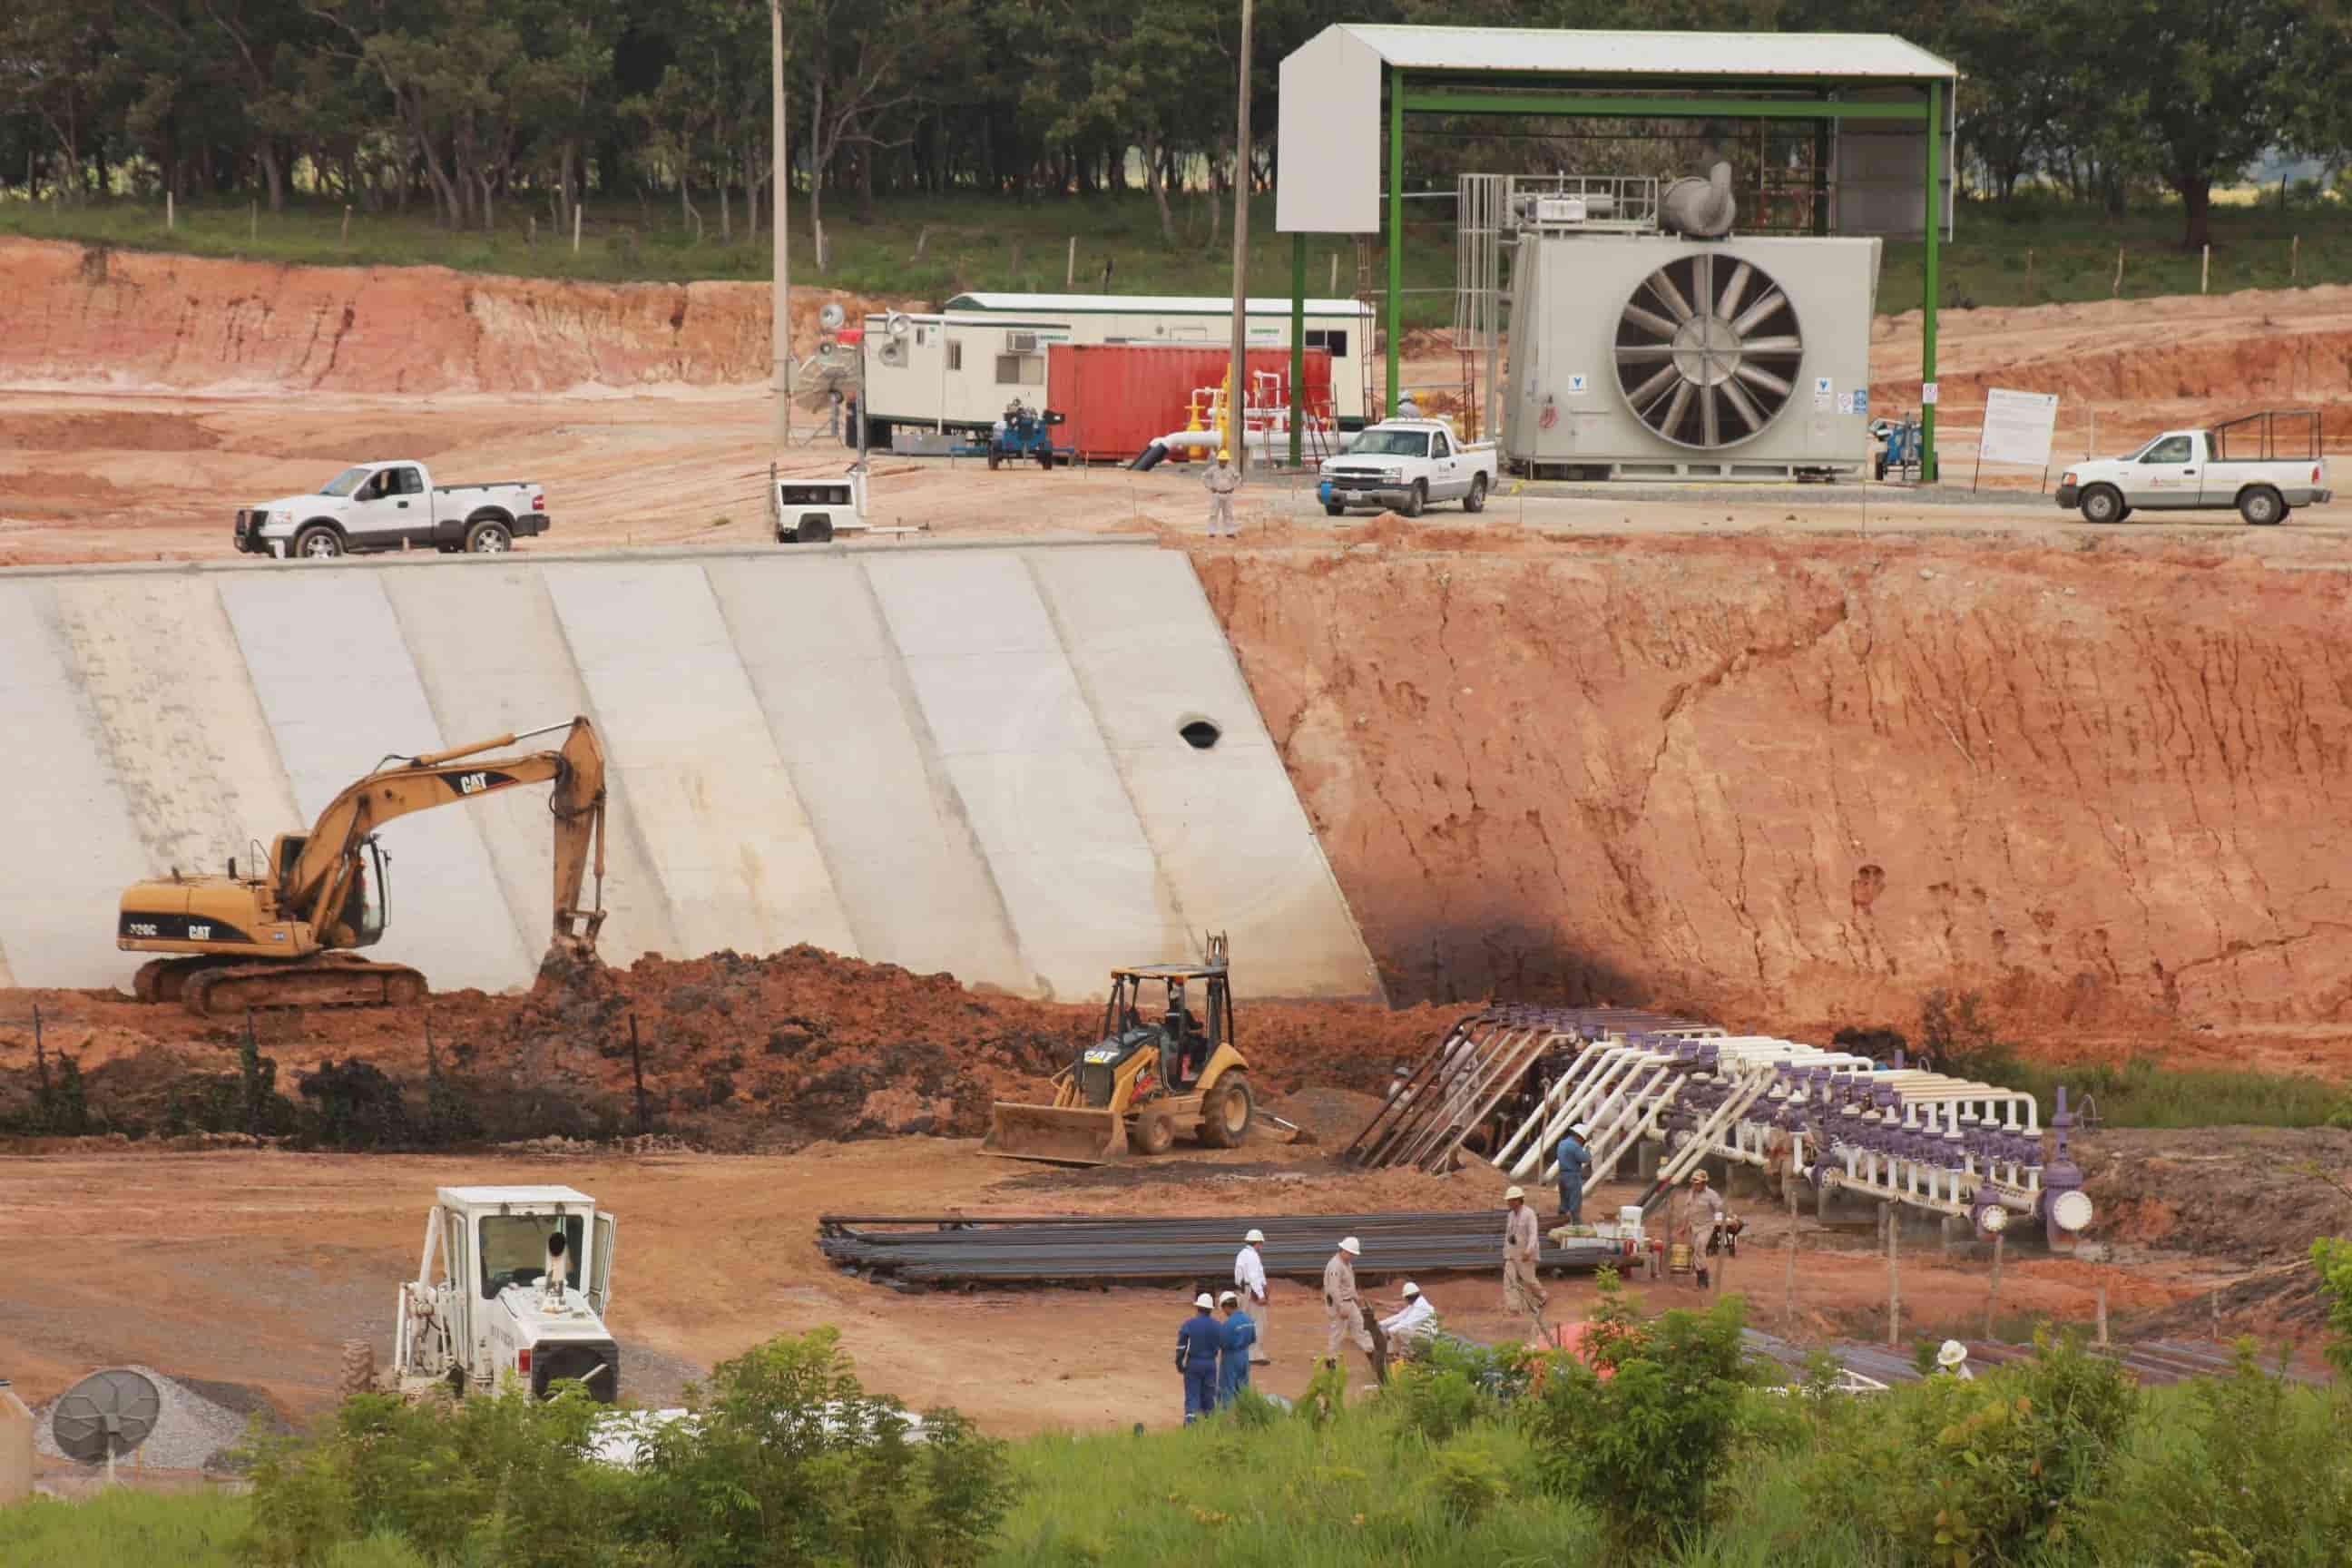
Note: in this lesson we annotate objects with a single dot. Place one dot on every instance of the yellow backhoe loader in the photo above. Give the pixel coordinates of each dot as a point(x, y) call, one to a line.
point(1146, 1080)
point(281, 935)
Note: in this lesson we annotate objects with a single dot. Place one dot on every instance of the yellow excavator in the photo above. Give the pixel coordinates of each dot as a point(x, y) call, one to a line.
point(281, 935)
point(1145, 1081)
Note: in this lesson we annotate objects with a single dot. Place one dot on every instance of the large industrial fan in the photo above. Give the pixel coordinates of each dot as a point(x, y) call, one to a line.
point(1708, 353)
point(1650, 355)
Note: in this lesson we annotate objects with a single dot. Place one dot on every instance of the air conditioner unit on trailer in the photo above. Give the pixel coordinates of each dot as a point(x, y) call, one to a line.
point(1020, 342)
point(1659, 356)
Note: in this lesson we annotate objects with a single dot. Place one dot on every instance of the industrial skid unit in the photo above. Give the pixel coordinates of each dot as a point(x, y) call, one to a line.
point(1647, 341)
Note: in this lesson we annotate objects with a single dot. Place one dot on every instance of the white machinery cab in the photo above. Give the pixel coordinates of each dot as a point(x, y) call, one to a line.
point(513, 1280)
point(811, 512)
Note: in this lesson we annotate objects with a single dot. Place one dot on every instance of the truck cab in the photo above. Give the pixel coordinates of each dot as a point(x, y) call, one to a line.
point(514, 1281)
point(2261, 466)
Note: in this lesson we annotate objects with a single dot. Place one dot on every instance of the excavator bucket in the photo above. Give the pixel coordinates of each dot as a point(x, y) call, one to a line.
point(1073, 1136)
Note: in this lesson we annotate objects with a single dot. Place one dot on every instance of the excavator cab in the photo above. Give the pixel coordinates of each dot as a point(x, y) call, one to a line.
point(1155, 1070)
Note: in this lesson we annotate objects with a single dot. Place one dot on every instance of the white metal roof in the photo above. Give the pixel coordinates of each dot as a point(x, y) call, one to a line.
point(1148, 305)
point(1861, 55)
point(520, 1197)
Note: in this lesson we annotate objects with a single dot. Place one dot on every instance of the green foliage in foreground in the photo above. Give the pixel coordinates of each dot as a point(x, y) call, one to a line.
point(1490, 1457)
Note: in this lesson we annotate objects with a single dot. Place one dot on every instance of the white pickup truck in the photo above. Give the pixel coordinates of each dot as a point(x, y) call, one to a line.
point(1405, 464)
point(394, 505)
point(2263, 466)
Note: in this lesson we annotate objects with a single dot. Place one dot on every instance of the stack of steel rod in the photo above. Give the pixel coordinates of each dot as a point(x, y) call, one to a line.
point(950, 1249)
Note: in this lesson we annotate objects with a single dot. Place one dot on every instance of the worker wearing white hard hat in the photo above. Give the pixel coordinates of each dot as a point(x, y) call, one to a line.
point(1341, 1306)
point(1200, 1340)
point(1522, 1245)
point(1952, 1361)
point(1417, 1319)
point(1694, 1217)
point(1249, 1280)
point(1222, 481)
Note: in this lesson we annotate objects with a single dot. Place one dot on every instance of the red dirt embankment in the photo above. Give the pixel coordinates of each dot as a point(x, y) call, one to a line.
point(86, 315)
point(1803, 781)
point(738, 1052)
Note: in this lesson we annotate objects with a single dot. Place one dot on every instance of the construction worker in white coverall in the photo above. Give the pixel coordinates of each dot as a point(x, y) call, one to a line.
point(1249, 1283)
point(1522, 1244)
point(1222, 481)
point(1347, 1314)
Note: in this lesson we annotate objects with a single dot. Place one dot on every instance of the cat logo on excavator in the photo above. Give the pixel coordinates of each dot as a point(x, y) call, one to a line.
point(1149, 1078)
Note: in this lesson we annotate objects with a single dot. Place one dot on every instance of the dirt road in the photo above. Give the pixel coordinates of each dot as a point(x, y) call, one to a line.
point(252, 1268)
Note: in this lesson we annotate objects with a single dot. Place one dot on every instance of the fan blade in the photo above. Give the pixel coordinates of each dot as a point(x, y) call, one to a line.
point(1763, 381)
point(1709, 423)
point(1790, 344)
point(1644, 354)
point(1703, 276)
point(1647, 393)
point(1676, 407)
point(1664, 288)
point(1740, 406)
point(1753, 317)
point(1650, 322)
point(1729, 306)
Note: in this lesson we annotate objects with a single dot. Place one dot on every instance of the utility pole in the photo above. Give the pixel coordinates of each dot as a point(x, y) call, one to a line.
point(780, 211)
point(1237, 395)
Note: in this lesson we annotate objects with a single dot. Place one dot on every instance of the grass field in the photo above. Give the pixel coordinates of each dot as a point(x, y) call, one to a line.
point(2033, 253)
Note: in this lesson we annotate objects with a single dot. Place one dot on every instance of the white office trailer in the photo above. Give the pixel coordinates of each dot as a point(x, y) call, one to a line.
point(956, 370)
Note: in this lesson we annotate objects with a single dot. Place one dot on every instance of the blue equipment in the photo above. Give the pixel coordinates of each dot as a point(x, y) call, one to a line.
point(1021, 432)
point(1901, 448)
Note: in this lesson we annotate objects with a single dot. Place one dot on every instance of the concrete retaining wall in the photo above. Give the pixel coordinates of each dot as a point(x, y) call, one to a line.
point(961, 758)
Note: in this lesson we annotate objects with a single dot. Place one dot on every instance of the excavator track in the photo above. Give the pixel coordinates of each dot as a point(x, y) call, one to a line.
point(330, 980)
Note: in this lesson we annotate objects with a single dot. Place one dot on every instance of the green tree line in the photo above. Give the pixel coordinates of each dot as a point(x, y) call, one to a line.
point(465, 105)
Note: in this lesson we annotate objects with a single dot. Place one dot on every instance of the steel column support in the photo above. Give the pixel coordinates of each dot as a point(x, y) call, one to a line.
point(1395, 313)
point(1297, 343)
point(1935, 214)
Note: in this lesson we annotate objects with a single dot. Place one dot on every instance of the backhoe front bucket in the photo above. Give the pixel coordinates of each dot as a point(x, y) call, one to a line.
point(1077, 1136)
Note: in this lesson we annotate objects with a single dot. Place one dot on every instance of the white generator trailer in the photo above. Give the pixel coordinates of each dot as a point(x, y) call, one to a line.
point(512, 1281)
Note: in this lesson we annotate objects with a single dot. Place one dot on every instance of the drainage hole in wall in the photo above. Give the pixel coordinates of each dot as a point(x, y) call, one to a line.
point(1200, 734)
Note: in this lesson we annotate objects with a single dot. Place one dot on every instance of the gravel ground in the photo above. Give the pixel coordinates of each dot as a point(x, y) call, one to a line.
point(191, 1428)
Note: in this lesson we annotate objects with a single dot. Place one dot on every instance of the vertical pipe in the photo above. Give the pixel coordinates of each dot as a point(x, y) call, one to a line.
point(1237, 388)
point(1297, 342)
point(780, 304)
point(1893, 1273)
point(1395, 322)
point(1930, 288)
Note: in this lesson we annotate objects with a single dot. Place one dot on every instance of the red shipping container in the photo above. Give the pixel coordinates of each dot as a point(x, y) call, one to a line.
point(1118, 398)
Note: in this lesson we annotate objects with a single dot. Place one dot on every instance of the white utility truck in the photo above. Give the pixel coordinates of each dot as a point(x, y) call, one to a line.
point(513, 1280)
point(394, 505)
point(2262, 466)
point(1404, 465)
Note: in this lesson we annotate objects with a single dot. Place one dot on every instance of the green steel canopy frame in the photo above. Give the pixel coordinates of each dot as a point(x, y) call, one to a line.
point(1442, 92)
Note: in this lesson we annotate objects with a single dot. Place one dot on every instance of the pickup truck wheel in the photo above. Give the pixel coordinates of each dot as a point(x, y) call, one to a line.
point(317, 543)
point(1417, 500)
point(2103, 504)
point(2261, 507)
point(486, 537)
point(1477, 499)
point(1334, 508)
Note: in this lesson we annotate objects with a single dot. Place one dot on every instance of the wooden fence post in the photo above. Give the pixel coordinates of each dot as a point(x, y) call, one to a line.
point(575, 228)
point(2204, 269)
point(1070, 273)
point(2119, 272)
point(1893, 1275)
point(171, 214)
point(345, 242)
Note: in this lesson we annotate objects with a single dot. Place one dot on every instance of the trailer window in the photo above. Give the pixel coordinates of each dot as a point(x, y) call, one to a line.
point(1334, 341)
point(1020, 370)
point(514, 1250)
point(955, 356)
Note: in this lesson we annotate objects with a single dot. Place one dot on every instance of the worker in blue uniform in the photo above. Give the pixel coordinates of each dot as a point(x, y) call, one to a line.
point(1200, 1340)
point(1233, 1361)
point(1575, 1164)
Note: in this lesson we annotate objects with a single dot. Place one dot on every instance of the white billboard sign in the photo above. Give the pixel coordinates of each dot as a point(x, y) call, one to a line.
point(2017, 426)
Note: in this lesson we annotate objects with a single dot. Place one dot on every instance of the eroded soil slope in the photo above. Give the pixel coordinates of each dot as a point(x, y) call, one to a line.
point(1809, 781)
point(84, 316)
